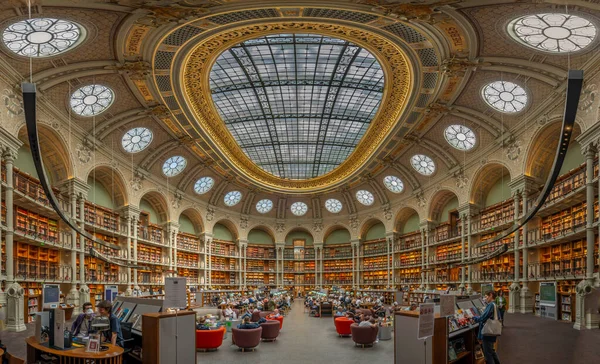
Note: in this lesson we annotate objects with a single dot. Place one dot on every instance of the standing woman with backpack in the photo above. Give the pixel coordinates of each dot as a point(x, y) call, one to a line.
point(490, 314)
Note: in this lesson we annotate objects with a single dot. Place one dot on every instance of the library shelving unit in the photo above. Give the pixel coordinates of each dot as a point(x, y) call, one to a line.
point(408, 276)
point(408, 259)
point(149, 254)
point(188, 242)
point(223, 263)
point(416, 297)
point(191, 275)
point(337, 252)
point(36, 262)
point(259, 252)
point(32, 300)
point(97, 270)
point(150, 277)
point(338, 278)
point(188, 260)
point(96, 293)
point(567, 307)
point(29, 188)
point(497, 214)
point(373, 248)
point(408, 241)
point(566, 221)
point(101, 217)
point(35, 226)
point(447, 253)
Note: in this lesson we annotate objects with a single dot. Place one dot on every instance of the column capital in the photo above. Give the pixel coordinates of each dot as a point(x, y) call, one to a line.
point(355, 242)
point(10, 142)
point(74, 186)
point(130, 211)
point(242, 243)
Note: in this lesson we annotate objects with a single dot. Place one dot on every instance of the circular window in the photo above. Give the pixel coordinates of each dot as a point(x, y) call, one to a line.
point(42, 37)
point(264, 206)
point(136, 139)
point(553, 32)
point(365, 197)
point(505, 96)
point(174, 165)
point(232, 198)
point(204, 185)
point(423, 164)
point(334, 206)
point(460, 137)
point(299, 208)
point(91, 100)
point(393, 184)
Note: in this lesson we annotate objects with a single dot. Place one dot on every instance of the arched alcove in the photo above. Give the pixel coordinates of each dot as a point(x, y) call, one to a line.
point(107, 187)
point(225, 230)
point(190, 222)
point(261, 235)
point(407, 221)
point(372, 229)
point(543, 149)
point(57, 163)
point(154, 204)
point(336, 235)
point(442, 203)
point(491, 185)
point(299, 234)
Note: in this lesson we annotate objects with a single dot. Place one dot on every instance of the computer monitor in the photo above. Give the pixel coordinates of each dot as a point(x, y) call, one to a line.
point(51, 296)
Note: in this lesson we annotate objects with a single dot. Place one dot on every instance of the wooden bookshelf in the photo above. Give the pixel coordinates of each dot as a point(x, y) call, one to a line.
point(191, 276)
point(260, 252)
point(97, 270)
point(260, 266)
point(156, 234)
point(341, 278)
point(380, 262)
point(447, 252)
point(568, 183)
point(222, 263)
point(374, 278)
point(566, 221)
point(497, 269)
point(564, 260)
point(223, 248)
point(567, 306)
point(337, 251)
point(407, 259)
point(498, 214)
point(34, 225)
point(337, 265)
point(374, 247)
point(35, 262)
point(149, 254)
point(101, 216)
point(96, 293)
point(189, 260)
point(408, 276)
point(29, 186)
point(408, 241)
point(188, 242)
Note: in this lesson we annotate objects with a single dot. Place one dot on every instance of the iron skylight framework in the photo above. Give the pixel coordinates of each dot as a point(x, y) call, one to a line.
point(297, 104)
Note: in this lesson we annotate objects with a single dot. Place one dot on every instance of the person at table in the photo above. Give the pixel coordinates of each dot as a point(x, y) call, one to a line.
point(113, 334)
point(247, 324)
point(378, 309)
point(202, 325)
point(83, 322)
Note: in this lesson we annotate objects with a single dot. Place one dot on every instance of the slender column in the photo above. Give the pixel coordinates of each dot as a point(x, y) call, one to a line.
point(389, 242)
point(209, 261)
point(524, 249)
point(469, 252)
point(128, 291)
point(590, 238)
point(321, 260)
point(82, 278)
point(517, 199)
point(73, 240)
point(514, 296)
point(135, 222)
point(463, 239)
point(316, 266)
point(423, 258)
point(8, 198)
point(427, 257)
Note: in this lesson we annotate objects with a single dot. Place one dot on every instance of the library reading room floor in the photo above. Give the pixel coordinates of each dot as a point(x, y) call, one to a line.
point(526, 339)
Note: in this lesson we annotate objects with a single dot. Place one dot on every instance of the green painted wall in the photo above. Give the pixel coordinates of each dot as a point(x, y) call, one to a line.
point(450, 205)
point(376, 231)
point(221, 232)
point(339, 236)
point(299, 235)
point(24, 162)
point(499, 192)
point(153, 215)
point(99, 195)
point(186, 225)
point(573, 159)
point(259, 237)
point(411, 225)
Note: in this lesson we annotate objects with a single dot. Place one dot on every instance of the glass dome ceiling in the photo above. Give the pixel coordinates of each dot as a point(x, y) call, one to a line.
point(297, 104)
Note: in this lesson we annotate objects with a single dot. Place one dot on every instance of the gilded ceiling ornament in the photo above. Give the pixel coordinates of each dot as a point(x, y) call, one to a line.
point(436, 108)
point(513, 150)
point(160, 111)
point(84, 153)
point(399, 83)
point(13, 104)
point(165, 12)
point(427, 12)
point(136, 70)
point(457, 67)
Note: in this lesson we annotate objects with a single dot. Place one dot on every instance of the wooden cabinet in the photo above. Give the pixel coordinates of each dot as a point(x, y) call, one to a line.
point(169, 337)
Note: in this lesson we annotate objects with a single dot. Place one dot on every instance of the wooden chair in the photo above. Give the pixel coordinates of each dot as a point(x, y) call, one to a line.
point(13, 359)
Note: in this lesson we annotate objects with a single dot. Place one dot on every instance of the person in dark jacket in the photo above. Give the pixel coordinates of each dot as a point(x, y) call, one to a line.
point(247, 324)
point(201, 325)
point(487, 342)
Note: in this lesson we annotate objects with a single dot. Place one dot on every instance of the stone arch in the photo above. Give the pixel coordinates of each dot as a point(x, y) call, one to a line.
point(55, 154)
point(230, 225)
point(112, 180)
point(368, 224)
point(484, 179)
point(437, 201)
point(336, 227)
point(195, 217)
point(264, 228)
point(302, 229)
point(402, 216)
point(542, 149)
point(158, 201)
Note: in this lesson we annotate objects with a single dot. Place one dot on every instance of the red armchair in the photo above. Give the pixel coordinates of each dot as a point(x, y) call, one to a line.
point(209, 339)
point(280, 319)
point(342, 326)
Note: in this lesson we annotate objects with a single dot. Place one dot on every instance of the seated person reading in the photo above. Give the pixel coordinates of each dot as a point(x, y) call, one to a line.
point(339, 311)
point(247, 324)
point(229, 312)
point(274, 315)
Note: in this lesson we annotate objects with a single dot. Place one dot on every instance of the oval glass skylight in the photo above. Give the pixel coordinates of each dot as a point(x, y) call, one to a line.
point(42, 37)
point(174, 165)
point(232, 198)
point(460, 137)
point(333, 205)
point(204, 185)
point(422, 164)
point(299, 208)
point(136, 139)
point(553, 32)
point(297, 104)
point(365, 197)
point(393, 183)
point(505, 96)
point(263, 206)
point(91, 100)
